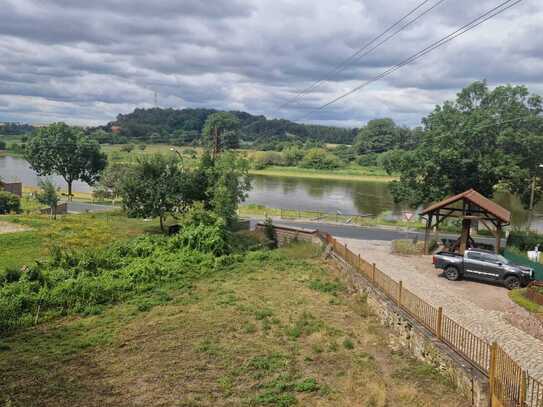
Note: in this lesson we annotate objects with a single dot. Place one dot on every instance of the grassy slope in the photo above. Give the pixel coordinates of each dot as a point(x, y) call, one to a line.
point(274, 330)
point(70, 231)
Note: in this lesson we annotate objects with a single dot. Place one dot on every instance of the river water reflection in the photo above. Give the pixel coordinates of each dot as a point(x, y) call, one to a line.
point(348, 197)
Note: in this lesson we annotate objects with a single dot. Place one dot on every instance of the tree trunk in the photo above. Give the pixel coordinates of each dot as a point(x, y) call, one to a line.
point(162, 223)
point(69, 190)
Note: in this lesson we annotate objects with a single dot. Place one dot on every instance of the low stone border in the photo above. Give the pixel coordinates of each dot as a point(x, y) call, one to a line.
point(534, 296)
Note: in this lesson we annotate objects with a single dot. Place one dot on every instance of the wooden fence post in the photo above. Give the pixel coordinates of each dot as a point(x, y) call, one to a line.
point(359, 263)
point(439, 327)
point(373, 272)
point(522, 389)
point(492, 369)
point(400, 288)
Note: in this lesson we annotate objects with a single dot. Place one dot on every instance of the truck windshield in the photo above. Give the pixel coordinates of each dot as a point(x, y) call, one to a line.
point(502, 259)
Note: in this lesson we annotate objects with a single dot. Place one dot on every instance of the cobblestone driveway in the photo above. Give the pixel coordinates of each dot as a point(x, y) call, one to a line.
point(478, 315)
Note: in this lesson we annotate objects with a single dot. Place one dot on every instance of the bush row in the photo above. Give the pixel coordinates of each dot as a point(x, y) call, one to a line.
point(78, 281)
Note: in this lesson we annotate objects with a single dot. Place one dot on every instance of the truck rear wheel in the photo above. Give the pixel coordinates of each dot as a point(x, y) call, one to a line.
point(452, 274)
point(511, 282)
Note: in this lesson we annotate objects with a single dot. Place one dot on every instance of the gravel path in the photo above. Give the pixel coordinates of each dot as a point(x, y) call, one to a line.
point(484, 309)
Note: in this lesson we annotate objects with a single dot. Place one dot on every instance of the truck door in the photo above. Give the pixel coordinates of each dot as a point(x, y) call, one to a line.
point(474, 265)
point(493, 267)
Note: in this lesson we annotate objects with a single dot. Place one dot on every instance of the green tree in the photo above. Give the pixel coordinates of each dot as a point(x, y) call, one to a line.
point(485, 139)
point(155, 187)
point(111, 181)
point(320, 159)
point(216, 125)
point(292, 155)
point(65, 151)
point(9, 203)
point(48, 195)
point(230, 140)
point(229, 185)
point(378, 135)
point(391, 160)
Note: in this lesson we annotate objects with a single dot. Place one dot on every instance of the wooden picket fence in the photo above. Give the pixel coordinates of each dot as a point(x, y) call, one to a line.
point(510, 385)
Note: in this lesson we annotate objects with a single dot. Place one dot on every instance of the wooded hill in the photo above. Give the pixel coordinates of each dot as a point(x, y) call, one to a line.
point(187, 125)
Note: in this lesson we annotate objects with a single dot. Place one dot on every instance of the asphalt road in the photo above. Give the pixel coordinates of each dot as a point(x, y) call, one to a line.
point(81, 207)
point(338, 230)
point(371, 233)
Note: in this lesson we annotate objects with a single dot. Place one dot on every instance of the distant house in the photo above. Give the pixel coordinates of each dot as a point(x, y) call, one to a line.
point(116, 129)
point(15, 188)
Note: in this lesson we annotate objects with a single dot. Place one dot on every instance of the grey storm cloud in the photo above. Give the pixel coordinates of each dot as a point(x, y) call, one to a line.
point(86, 61)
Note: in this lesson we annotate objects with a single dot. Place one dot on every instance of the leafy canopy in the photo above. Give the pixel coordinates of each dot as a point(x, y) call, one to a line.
point(485, 139)
point(48, 195)
point(63, 150)
point(154, 187)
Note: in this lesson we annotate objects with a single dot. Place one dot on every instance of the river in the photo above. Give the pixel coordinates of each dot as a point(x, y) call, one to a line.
point(347, 197)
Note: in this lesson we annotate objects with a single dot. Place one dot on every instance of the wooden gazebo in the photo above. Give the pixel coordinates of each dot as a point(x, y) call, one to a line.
point(468, 206)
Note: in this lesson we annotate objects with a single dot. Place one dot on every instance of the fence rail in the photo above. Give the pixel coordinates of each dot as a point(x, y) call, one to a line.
point(510, 384)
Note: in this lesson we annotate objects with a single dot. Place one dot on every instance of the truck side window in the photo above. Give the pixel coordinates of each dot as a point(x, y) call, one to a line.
point(475, 256)
point(490, 259)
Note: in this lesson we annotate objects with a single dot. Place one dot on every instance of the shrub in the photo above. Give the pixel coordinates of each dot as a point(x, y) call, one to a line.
point(9, 203)
point(367, 160)
point(292, 155)
point(85, 281)
point(127, 148)
point(525, 240)
point(320, 159)
point(263, 159)
point(10, 275)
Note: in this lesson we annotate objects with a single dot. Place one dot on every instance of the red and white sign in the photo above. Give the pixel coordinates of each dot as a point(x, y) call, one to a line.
point(408, 216)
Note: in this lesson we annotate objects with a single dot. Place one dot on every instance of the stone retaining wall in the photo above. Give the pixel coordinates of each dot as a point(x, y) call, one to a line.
point(284, 235)
point(62, 209)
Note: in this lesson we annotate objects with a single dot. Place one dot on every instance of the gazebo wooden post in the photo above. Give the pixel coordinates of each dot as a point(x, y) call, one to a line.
point(427, 232)
point(466, 226)
point(498, 237)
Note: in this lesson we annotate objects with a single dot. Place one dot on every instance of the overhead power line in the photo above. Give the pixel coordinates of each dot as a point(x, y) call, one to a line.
point(462, 30)
point(367, 48)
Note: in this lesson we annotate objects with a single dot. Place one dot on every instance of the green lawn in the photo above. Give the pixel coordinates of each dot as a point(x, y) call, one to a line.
point(276, 329)
point(69, 231)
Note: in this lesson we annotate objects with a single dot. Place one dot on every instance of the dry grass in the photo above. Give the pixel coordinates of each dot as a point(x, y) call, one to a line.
point(8, 227)
point(407, 247)
point(278, 330)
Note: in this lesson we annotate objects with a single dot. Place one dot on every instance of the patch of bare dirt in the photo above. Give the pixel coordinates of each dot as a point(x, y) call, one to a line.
point(7, 227)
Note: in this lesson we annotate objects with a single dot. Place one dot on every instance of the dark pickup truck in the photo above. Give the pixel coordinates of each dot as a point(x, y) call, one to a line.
point(483, 265)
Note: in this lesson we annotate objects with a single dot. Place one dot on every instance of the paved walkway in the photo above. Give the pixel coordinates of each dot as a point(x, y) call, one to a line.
point(491, 325)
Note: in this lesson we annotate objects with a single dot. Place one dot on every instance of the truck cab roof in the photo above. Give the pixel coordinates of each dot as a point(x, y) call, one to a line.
point(480, 251)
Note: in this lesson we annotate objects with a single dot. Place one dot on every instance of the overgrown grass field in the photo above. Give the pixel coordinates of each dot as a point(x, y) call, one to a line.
point(68, 232)
point(264, 328)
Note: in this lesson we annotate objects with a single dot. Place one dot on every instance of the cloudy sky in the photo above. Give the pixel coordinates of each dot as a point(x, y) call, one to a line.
point(84, 62)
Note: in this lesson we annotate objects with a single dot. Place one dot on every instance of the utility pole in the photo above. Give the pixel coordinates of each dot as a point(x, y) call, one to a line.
point(156, 98)
point(532, 195)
